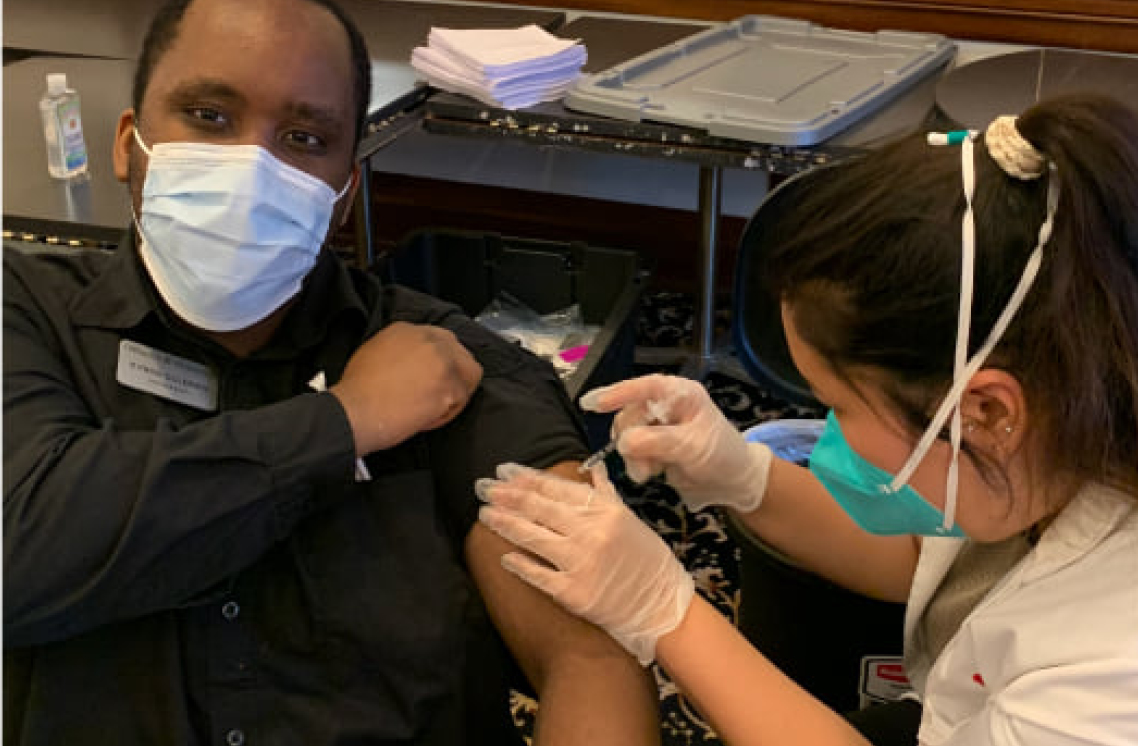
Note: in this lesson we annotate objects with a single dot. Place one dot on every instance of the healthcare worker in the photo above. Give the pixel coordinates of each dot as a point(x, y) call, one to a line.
point(967, 307)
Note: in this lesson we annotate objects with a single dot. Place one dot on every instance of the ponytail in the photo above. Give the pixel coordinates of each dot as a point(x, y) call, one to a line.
point(1084, 328)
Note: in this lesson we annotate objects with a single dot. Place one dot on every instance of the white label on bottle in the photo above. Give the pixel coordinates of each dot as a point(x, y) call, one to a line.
point(71, 131)
point(165, 375)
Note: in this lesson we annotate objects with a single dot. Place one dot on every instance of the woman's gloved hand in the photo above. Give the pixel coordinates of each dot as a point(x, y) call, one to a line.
point(590, 553)
point(699, 452)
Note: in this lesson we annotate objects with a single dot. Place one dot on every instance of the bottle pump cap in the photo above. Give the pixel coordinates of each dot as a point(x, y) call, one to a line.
point(56, 83)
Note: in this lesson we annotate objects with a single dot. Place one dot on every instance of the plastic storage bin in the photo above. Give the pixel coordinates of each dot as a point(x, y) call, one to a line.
point(470, 268)
point(765, 79)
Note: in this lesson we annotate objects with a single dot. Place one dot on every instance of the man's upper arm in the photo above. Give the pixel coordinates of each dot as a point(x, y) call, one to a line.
point(591, 691)
point(533, 625)
point(520, 413)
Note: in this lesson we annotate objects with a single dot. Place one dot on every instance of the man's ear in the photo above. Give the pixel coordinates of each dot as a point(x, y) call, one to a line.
point(350, 196)
point(124, 143)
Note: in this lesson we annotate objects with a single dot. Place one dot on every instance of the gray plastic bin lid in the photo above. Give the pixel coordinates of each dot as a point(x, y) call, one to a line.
point(765, 79)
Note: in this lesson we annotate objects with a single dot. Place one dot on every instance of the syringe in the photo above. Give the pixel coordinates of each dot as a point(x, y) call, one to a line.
point(658, 412)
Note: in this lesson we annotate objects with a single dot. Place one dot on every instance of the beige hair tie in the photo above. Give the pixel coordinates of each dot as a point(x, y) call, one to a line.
point(1011, 151)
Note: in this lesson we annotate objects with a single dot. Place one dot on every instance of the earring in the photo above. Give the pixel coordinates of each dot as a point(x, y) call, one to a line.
point(970, 427)
point(1009, 429)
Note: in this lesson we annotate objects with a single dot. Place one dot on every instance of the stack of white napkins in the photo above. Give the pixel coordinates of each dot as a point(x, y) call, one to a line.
point(510, 68)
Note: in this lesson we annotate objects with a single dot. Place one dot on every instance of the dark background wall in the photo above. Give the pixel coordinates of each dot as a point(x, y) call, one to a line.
point(1084, 24)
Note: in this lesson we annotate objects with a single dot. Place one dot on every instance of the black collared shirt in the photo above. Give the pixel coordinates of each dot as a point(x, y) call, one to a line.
point(180, 576)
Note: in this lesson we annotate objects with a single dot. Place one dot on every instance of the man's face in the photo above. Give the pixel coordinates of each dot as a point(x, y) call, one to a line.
point(273, 73)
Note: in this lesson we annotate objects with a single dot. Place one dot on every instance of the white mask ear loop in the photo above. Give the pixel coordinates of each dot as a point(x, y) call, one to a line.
point(138, 139)
point(141, 144)
point(342, 192)
point(1031, 269)
point(963, 323)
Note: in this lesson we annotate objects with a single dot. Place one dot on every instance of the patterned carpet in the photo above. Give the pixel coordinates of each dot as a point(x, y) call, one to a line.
point(700, 540)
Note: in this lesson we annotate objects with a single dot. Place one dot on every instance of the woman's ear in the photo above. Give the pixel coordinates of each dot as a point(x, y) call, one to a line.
point(994, 411)
point(124, 143)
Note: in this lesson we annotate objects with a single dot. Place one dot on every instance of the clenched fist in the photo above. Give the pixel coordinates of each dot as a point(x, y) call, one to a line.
point(406, 379)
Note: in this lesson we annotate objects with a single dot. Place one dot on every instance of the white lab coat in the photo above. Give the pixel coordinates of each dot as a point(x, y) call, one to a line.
point(1049, 656)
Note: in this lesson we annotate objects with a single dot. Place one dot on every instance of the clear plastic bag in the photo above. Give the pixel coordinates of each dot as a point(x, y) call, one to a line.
point(561, 337)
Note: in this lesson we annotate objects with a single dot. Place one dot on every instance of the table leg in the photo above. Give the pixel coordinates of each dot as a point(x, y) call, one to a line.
point(710, 187)
point(378, 137)
point(365, 251)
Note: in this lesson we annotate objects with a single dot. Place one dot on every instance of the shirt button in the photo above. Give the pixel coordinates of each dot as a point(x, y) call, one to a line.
point(230, 611)
point(235, 737)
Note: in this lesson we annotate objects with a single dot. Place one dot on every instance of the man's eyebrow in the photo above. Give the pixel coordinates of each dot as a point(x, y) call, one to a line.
point(326, 117)
point(205, 88)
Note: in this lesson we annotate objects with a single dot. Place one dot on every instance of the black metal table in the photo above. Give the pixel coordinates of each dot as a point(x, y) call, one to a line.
point(611, 41)
point(392, 30)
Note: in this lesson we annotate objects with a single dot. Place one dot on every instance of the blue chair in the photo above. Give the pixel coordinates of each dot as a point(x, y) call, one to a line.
point(756, 318)
point(828, 639)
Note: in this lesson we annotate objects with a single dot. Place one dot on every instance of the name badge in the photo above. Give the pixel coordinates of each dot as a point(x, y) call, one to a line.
point(168, 376)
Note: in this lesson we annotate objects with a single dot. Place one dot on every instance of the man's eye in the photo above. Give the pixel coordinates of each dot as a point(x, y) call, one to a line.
point(304, 140)
point(206, 114)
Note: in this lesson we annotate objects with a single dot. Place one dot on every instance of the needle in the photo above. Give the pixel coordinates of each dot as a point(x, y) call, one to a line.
point(658, 412)
point(598, 457)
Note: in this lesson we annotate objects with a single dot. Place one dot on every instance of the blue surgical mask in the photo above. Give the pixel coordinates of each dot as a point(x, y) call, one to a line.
point(864, 491)
point(229, 232)
point(883, 503)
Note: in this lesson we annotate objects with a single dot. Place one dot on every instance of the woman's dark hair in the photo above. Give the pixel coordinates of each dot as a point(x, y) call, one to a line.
point(872, 274)
point(164, 30)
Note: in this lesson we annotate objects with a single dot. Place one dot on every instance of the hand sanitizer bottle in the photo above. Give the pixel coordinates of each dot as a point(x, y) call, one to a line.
point(63, 129)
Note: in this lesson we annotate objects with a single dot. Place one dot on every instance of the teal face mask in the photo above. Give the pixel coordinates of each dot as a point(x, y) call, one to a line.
point(864, 491)
point(882, 503)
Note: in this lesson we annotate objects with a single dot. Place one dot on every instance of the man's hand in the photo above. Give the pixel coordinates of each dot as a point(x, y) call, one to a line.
point(404, 380)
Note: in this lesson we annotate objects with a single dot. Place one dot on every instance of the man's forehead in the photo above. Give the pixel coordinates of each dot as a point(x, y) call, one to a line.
point(243, 18)
point(294, 48)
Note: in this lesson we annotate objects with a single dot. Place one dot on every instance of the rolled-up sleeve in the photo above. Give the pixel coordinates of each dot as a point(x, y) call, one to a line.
point(521, 413)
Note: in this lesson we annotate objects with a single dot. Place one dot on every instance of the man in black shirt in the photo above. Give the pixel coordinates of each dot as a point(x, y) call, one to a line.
point(203, 546)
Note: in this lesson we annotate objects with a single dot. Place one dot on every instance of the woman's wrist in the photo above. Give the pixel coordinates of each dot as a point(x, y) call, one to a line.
point(760, 458)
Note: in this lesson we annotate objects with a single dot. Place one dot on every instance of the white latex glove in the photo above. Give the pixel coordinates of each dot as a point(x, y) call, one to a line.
point(593, 555)
point(700, 453)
